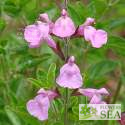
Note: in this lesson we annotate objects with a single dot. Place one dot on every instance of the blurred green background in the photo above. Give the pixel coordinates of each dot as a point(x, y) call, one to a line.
point(23, 70)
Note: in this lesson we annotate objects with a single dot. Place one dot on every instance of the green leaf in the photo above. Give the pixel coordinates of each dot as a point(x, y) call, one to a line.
point(57, 123)
point(35, 82)
point(2, 50)
point(117, 44)
point(12, 116)
point(42, 76)
point(51, 74)
point(101, 68)
point(11, 9)
point(117, 22)
point(31, 5)
point(30, 61)
point(2, 24)
point(74, 14)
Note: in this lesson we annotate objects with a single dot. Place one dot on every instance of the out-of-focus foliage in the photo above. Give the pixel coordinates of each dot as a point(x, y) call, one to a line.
point(23, 71)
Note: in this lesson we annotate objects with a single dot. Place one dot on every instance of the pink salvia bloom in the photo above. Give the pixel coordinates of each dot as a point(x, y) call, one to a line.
point(90, 92)
point(32, 35)
point(96, 37)
point(89, 21)
point(64, 26)
point(96, 99)
point(38, 33)
point(70, 76)
point(122, 121)
point(52, 94)
point(44, 18)
point(51, 43)
point(95, 95)
point(39, 106)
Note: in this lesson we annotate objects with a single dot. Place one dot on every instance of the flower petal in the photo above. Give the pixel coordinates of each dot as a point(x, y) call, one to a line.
point(87, 92)
point(70, 76)
point(89, 21)
point(100, 38)
point(102, 91)
point(32, 34)
point(44, 17)
point(64, 26)
point(51, 94)
point(122, 121)
point(51, 43)
point(89, 33)
point(38, 107)
point(96, 99)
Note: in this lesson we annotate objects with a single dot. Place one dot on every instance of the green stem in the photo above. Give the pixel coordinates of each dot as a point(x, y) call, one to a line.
point(117, 91)
point(65, 3)
point(66, 50)
point(55, 111)
point(66, 90)
point(66, 107)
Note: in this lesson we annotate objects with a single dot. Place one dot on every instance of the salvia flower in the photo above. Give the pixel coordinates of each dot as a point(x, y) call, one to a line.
point(64, 26)
point(44, 18)
point(39, 106)
point(38, 33)
point(96, 37)
point(70, 76)
point(122, 121)
point(95, 95)
point(89, 21)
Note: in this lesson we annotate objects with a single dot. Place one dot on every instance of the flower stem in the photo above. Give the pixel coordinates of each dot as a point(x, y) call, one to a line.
point(65, 3)
point(66, 50)
point(66, 90)
point(117, 91)
point(66, 107)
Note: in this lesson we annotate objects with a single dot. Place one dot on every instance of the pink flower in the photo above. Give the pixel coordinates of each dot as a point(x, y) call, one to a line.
point(95, 95)
point(44, 18)
point(38, 33)
point(39, 106)
point(122, 121)
point(64, 26)
point(89, 21)
point(52, 94)
point(96, 37)
point(70, 76)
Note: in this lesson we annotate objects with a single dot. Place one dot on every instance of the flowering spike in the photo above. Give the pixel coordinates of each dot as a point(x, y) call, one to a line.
point(70, 76)
point(64, 26)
